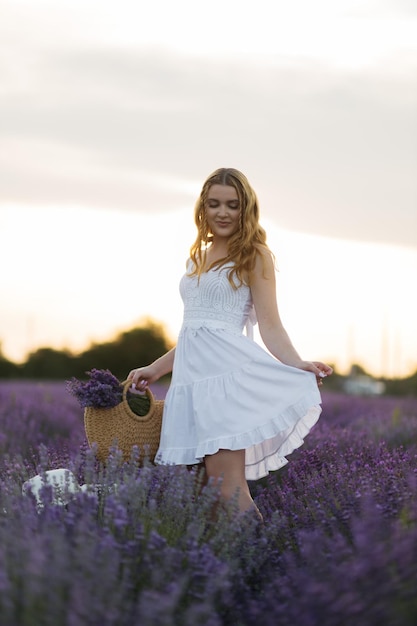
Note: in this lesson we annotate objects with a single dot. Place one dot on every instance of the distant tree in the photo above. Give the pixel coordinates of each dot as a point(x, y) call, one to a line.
point(48, 363)
point(8, 369)
point(130, 349)
point(357, 370)
point(402, 386)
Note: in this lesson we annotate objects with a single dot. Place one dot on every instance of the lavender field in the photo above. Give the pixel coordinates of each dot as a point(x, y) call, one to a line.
point(137, 546)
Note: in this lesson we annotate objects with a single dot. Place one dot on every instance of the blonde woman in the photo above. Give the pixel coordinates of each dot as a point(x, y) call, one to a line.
point(232, 405)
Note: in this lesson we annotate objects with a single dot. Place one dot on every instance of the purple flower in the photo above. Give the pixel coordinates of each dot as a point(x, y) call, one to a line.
point(103, 390)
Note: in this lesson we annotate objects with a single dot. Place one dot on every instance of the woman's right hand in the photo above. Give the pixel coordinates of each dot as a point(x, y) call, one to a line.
point(142, 377)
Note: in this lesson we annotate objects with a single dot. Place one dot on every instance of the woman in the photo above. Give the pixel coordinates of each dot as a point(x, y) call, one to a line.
point(231, 405)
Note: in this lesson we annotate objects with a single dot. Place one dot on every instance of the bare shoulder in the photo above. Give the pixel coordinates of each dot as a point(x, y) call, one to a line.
point(264, 264)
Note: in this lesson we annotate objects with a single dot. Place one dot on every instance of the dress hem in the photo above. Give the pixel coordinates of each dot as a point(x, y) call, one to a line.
point(266, 446)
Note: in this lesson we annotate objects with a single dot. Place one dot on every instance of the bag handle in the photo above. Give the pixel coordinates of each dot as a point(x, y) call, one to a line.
point(141, 418)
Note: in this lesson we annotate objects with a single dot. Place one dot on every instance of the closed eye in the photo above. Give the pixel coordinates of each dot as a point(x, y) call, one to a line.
point(213, 204)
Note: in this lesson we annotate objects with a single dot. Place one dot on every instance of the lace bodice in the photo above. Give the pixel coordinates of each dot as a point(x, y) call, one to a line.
point(212, 301)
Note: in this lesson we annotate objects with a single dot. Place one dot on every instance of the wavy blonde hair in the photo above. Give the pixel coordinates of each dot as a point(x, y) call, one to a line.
point(245, 244)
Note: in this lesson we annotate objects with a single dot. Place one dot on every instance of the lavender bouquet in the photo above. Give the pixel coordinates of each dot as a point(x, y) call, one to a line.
point(103, 390)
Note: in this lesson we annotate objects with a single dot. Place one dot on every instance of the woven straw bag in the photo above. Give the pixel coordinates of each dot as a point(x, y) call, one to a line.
point(120, 426)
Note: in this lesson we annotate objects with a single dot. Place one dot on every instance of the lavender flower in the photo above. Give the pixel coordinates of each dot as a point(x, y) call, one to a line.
point(103, 390)
point(339, 543)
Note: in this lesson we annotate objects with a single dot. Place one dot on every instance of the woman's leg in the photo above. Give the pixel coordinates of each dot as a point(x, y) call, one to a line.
point(227, 467)
point(200, 470)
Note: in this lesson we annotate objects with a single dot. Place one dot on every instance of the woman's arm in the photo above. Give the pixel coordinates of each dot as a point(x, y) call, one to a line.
point(142, 377)
point(273, 333)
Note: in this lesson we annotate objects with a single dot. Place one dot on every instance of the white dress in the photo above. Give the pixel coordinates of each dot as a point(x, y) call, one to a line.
point(227, 392)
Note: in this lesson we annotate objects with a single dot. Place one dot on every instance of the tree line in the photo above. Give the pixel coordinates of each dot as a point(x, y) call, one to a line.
point(140, 346)
point(135, 347)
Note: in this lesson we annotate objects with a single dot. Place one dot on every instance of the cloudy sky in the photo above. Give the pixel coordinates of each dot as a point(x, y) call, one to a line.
point(113, 114)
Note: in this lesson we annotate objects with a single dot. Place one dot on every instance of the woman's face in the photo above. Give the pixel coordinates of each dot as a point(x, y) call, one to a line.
point(222, 211)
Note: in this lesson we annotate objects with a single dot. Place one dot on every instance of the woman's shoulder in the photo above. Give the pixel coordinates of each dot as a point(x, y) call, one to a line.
point(264, 265)
point(264, 255)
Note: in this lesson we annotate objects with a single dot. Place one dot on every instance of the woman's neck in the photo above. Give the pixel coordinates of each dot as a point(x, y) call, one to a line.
point(216, 252)
point(219, 248)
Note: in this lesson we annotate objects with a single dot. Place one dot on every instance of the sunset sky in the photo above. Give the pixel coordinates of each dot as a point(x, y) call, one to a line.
point(113, 114)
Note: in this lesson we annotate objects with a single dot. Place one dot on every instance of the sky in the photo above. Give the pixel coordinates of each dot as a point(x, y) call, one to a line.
point(112, 115)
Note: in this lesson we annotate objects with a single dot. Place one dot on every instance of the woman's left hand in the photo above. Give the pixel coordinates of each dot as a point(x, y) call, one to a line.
point(321, 370)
